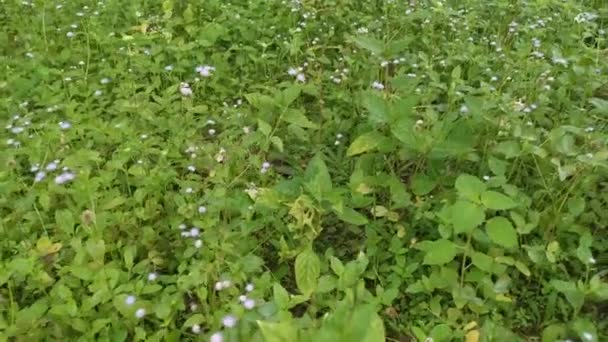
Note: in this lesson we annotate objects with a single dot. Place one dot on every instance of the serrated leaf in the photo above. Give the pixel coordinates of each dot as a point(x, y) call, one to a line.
point(497, 201)
point(466, 216)
point(298, 118)
point(318, 178)
point(264, 127)
point(307, 271)
point(376, 107)
point(364, 143)
point(470, 187)
point(501, 231)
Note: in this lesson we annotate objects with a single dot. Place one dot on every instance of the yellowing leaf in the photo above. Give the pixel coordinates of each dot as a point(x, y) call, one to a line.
point(44, 246)
point(365, 142)
point(470, 325)
point(472, 336)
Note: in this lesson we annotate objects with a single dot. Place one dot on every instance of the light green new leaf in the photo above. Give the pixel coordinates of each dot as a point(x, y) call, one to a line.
point(497, 201)
point(308, 270)
point(439, 252)
point(318, 180)
point(351, 216)
point(363, 143)
point(470, 187)
point(284, 331)
point(466, 216)
point(501, 231)
point(375, 331)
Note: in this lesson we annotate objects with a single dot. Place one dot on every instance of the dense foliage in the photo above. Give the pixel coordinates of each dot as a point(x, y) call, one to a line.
point(336, 170)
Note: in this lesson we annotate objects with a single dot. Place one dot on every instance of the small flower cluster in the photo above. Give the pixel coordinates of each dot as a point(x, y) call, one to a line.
point(205, 70)
point(64, 177)
point(194, 232)
point(341, 75)
point(298, 73)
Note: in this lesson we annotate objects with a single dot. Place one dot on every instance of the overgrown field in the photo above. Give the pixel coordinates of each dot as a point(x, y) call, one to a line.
point(314, 170)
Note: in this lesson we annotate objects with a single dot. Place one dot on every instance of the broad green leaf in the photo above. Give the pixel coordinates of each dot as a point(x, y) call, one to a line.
point(375, 330)
point(318, 178)
point(422, 184)
point(466, 216)
point(289, 95)
point(501, 231)
point(298, 118)
point(65, 221)
point(283, 331)
point(497, 201)
point(376, 106)
point(364, 143)
point(307, 270)
point(439, 252)
point(482, 261)
point(280, 296)
point(470, 187)
point(264, 127)
point(371, 44)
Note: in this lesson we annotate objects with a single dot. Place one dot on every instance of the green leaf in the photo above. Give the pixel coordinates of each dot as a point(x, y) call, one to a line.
point(501, 231)
point(368, 43)
point(351, 216)
point(307, 270)
point(375, 330)
point(194, 319)
point(470, 187)
point(422, 184)
point(497, 201)
point(283, 331)
point(289, 95)
point(264, 127)
point(482, 261)
point(363, 143)
point(466, 216)
point(297, 117)
point(376, 106)
point(439, 252)
point(280, 296)
point(318, 178)
point(65, 221)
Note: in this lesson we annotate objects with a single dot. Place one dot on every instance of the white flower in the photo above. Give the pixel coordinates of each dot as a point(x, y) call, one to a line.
point(486, 178)
point(249, 287)
point(292, 71)
point(219, 286)
point(182, 226)
point(362, 30)
point(196, 329)
point(52, 166)
point(104, 80)
point(202, 209)
point(216, 337)
point(189, 190)
point(70, 34)
point(140, 313)
point(229, 321)
point(464, 109)
point(98, 92)
point(130, 300)
point(17, 130)
point(184, 89)
point(226, 283)
point(242, 298)
point(198, 243)
point(588, 336)
point(152, 276)
point(592, 259)
point(377, 85)
point(300, 78)
point(249, 304)
point(560, 60)
point(211, 131)
point(64, 124)
point(169, 67)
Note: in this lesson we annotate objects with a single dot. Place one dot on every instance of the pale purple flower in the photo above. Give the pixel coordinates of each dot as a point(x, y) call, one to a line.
point(205, 70)
point(229, 321)
point(52, 166)
point(249, 304)
point(17, 130)
point(64, 177)
point(216, 337)
point(39, 176)
point(194, 232)
point(300, 78)
point(130, 300)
